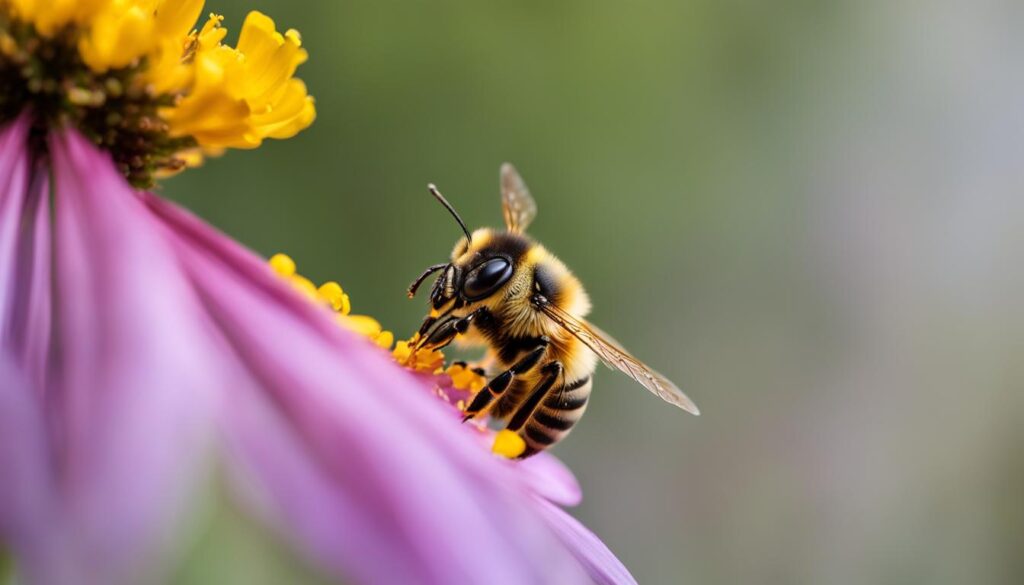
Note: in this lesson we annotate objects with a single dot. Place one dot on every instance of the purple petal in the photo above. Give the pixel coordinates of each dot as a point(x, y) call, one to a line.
point(602, 565)
point(548, 477)
point(135, 375)
point(32, 299)
point(14, 168)
point(29, 522)
point(24, 254)
point(348, 451)
point(28, 491)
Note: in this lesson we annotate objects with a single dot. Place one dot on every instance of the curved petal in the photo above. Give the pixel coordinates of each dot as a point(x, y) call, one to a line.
point(602, 565)
point(349, 451)
point(548, 477)
point(132, 383)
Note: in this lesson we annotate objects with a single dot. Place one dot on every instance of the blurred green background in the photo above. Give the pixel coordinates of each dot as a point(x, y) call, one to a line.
point(807, 214)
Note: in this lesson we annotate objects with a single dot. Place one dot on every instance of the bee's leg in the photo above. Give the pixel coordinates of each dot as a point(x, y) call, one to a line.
point(428, 322)
point(444, 333)
point(462, 325)
point(552, 372)
point(441, 335)
point(502, 381)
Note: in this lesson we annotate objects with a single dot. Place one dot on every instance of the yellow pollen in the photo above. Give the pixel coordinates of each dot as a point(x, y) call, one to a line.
point(331, 295)
point(508, 444)
point(465, 378)
point(385, 339)
point(282, 264)
point(362, 324)
point(422, 360)
point(305, 286)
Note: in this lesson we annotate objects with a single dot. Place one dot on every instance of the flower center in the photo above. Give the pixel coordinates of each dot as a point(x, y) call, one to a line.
point(138, 79)
point(113, 108)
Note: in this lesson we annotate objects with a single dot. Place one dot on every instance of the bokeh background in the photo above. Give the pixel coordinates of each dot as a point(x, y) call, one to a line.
point(808, 214)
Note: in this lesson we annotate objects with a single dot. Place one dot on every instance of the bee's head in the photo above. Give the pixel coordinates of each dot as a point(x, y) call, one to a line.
point(482, 264)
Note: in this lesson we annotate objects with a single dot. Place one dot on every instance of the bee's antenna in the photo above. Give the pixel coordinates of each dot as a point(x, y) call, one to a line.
point(416, 283)
point(437, 195)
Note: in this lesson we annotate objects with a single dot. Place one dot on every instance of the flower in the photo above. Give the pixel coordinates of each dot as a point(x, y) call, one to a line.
point(141, 351)
point(175, 342)
point(138, 80)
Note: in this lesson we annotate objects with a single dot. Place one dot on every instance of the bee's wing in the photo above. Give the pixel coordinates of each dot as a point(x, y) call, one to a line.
point(517, 205)
point(616, 357)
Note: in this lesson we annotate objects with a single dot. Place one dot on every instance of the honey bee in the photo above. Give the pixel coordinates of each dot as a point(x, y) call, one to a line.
point(505, 291)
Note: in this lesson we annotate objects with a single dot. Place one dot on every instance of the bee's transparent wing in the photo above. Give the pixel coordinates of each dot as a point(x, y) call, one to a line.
point(616, 357)
point(517, 205)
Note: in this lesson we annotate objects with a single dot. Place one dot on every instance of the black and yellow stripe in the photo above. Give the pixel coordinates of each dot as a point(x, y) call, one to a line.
point(556, 416)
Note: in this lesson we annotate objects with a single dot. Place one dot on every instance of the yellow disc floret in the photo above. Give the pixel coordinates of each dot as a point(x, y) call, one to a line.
point(418, 359)
point(49, 16)
point(335, 297)
point(124, 31)
point(331, 295)
point(464, 378)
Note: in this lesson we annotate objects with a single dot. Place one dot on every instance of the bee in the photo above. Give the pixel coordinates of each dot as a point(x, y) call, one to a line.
point(506, 292)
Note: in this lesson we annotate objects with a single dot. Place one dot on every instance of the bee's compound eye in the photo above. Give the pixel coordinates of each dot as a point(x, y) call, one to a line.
point(486, 278)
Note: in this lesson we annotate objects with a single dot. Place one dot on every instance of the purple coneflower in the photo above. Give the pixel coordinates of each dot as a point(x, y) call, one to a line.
point(142, 351)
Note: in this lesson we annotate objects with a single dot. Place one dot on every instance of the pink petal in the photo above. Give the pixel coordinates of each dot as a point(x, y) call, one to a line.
point(14, 167)
point(14, 170)
point(24, 254)
point(548, 477)
point(602, 565)
point(135, 375)
point(347, 450)
point(28, 490)
point(28, 498)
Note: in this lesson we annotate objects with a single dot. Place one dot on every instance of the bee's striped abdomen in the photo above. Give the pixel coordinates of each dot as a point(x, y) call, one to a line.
point(556, 416)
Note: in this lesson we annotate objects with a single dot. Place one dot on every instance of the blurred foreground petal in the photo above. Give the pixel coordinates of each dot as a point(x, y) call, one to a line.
point(548, 477)
point(28, 496)
point(172, 348)
point(348, 449)
point(24, 254)
point(602, 565)
point(136, 374)
point(172, 340)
